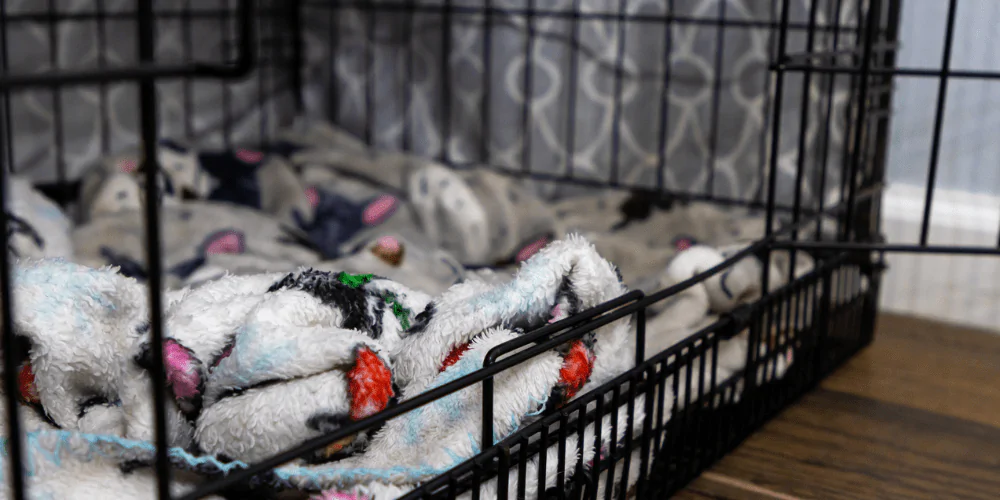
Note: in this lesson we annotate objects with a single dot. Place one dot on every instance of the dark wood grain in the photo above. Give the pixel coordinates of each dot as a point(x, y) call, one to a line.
point(915, 415)
point(928, 365)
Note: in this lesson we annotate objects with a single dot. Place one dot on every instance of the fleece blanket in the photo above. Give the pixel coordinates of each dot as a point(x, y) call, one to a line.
point(259, 363)
point(320, 266)
point(337, 201)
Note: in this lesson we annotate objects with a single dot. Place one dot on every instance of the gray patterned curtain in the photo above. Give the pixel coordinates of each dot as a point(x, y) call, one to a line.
point(64, 131)
point(719, 90)
point(717, 112)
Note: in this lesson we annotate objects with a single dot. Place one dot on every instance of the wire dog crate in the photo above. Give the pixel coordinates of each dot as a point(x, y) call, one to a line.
point(820, 122)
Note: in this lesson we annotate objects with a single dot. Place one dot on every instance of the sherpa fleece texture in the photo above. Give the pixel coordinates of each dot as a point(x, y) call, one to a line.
point(471, 318)
point(265, 362)
point(238, 348)
point(81, 330)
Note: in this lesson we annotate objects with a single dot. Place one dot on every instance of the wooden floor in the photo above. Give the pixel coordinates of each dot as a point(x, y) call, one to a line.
point(915, 415)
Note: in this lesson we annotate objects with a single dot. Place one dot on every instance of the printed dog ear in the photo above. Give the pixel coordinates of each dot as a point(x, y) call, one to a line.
point(185, 374)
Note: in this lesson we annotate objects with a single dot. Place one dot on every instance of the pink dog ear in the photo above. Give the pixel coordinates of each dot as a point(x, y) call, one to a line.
point(227, 241)
point(312, 195)
point(249, 156)
point(379, 210)
point(531, 249)
point(127, 165)
point(184, 377)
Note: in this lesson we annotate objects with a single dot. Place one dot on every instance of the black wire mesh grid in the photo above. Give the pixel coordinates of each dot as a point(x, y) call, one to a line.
point(823, 317)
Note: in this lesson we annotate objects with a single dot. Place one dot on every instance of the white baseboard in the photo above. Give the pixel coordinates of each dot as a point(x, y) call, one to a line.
point(959, 289)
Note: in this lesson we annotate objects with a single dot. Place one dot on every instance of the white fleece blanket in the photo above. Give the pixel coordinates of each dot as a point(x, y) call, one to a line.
point(247, 358)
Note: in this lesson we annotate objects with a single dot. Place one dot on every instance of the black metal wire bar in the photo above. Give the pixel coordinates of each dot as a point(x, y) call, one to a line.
point(713, 133)
point(661, 157)
point(485, 86)
point(852, 110)
point(782, 317)
point(595, 467)
point(803, 129)
point(772, 176)
point(476, 476)
point(925, 224)
point(580, 469)
point(640, 336)
point(649, 375)
point(522, 468)
point(447, 8)
point(453, 485)
point(5, 65)
point(14, 455)
point(613, 415)
point(572, 88)
point(861, 125)
point(503, 473)
point(907, 72)
point(765, 106)
point(527, 90)
point(697, 425)
point(889, 247)
point(561, 446)
point(883, 46)
point(629, 431)
point(713, 388)
point(661, 405)
point(616, 104)
point(108, 75)
point(58, 129)
point(487, 425)
point(885, 103)
point(187, 49)
point(543, 456)
point(688, 420)
point(150, 164)
point(825, 150)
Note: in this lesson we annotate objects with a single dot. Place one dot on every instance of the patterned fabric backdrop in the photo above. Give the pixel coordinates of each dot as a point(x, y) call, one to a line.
point(718, 110)
point(70, 128)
